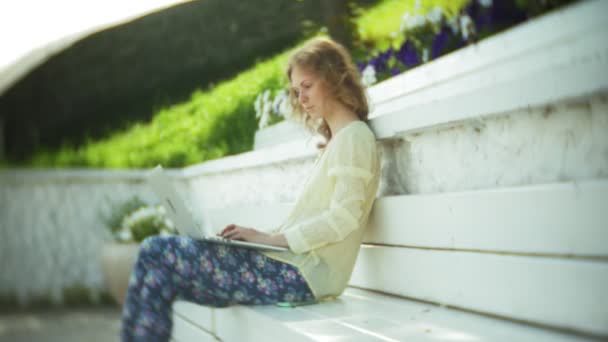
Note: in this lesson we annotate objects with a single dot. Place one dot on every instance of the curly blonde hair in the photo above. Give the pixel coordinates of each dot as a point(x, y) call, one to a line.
point(332, 62)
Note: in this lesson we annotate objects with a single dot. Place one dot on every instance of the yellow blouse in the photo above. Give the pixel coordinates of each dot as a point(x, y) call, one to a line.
point(325, 227)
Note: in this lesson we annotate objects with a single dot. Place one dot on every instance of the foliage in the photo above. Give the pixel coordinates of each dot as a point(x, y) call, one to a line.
point(215, 122)
point(395, 36)
point(135, 220)
point(119, 210)
point(144, 222)
point(426, 34)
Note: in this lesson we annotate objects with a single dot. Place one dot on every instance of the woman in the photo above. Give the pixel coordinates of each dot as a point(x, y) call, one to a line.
point(323, 230)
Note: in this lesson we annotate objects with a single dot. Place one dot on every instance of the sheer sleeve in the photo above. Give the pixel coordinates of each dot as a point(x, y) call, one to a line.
point(350, 168)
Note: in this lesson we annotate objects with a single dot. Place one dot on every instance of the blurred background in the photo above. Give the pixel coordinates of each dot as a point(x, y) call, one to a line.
point(121, 85)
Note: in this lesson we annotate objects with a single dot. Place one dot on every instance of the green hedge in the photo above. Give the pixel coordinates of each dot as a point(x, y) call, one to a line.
point(212, 124)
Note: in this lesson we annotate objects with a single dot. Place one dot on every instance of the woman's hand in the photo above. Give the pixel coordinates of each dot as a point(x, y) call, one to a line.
point(232, 231)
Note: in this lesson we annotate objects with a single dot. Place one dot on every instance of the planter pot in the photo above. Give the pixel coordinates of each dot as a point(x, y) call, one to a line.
point(117, 261)
point(282, 132)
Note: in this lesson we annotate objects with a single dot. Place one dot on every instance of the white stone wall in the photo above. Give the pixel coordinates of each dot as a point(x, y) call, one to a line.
point(566, 141)
point(51, 234)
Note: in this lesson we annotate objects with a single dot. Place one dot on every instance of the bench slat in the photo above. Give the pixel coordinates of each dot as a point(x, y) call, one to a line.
point(558, 292)
point(562, 218)
point(261, 323)
point(199, 315)
point(567, 219)
point(184, 330)
point(360, 315)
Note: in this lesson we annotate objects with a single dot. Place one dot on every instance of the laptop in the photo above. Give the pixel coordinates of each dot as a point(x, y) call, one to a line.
point(183, 219)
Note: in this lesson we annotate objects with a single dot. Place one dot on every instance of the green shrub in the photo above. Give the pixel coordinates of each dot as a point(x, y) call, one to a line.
point(135, 220)
point(214, 123)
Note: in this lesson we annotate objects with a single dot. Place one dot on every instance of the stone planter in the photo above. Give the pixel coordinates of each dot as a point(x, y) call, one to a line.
point(117, 261)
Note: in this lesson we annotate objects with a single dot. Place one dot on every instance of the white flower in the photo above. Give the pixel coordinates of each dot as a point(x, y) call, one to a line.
point(142, 213)
point(265, 118)
point(257, 105)
point(266, 95)
point(485, 3)
point(454, 24)
point(369, 75)
point(281, 105)
point(286, 110)
point(435, 15)
point(278, 99)
point(467, 27)
point(404, 20)
point(169, 224)
point(411, 22)
point(125, 235)
point(267, 108)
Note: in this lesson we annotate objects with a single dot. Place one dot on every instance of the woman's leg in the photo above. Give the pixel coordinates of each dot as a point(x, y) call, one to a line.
point(179, 267)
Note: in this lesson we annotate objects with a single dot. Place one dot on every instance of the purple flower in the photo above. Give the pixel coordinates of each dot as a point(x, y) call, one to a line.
point(440, 42)
point(361, 66)
point(378, 64)
point(407, 54)
point(395, 71)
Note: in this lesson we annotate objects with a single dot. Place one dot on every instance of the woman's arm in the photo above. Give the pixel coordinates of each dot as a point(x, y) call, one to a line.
point(232, 231)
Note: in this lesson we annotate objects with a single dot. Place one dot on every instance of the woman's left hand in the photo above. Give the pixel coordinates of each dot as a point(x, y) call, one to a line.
point(232, 231)
point(235, 232)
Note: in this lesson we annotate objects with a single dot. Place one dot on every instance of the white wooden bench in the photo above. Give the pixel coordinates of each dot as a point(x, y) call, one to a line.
point(512, 264)
point(520, 262)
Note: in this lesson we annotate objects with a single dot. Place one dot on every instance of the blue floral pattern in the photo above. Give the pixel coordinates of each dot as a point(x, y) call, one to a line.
point(180, 267)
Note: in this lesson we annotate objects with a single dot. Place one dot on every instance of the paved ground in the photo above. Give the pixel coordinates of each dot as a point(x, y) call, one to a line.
point(99, 324)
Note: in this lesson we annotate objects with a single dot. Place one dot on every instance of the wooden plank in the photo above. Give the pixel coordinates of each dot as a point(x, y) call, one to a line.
point(393, 319)
point(184, 330)
point(569, 294)
point(199, 315)
point(567, 219)
point(563, 219)
point(261, 323)
point(360, 315)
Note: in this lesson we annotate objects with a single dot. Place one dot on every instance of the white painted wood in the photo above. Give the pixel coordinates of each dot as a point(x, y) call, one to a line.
point(185, 331)
point(360, 315)
point(560, 292)
point(201, 316)
point(552, 219)
point(260, 323)
point(290, 151)
point(564, 219)
point(284, 131)
point(405, 320)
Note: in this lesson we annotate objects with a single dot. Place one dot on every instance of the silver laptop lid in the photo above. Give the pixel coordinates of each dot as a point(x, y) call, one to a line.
point(177, 210)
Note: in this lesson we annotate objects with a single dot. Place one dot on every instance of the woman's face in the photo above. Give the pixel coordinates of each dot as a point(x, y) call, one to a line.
point(311, 92)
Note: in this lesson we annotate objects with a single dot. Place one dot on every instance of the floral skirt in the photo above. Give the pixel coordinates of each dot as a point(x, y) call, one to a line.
point(180, 267)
